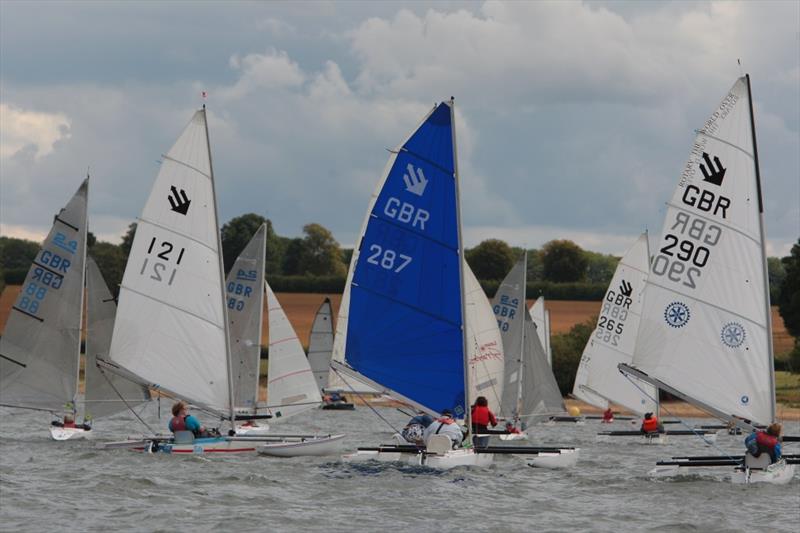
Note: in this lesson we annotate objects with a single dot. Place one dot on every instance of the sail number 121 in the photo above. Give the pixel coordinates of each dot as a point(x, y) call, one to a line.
point(164, 253)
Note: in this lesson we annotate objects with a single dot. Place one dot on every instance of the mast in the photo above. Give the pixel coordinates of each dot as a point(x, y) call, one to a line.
point(221, 278)
point(263, 281)
point(767, 310)
point(467, 409)
point(83, 284)
point(524, 307)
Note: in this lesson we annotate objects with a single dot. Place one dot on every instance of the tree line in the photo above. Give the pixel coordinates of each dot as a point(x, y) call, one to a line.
point(316, 262)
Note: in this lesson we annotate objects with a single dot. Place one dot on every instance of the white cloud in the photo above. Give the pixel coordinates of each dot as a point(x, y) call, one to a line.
point(33, 131)
point(271, 70)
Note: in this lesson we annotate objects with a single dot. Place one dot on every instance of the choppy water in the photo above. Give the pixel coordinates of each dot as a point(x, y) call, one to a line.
point(45, 485)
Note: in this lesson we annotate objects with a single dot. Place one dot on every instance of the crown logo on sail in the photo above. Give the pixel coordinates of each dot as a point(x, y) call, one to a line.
point(415, 180)
point(711, 173)
point(179, 202)
point(625, 288)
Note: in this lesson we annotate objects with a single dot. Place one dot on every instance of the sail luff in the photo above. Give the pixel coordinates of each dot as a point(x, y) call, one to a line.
point(231, 406)
point(523, 307)
point(762, 233)
point(82, 295)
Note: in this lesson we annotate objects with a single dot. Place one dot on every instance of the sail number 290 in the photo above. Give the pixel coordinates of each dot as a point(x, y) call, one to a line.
point(163, 251)
point(388, 259)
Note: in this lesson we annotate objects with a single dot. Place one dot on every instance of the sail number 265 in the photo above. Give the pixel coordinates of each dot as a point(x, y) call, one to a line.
point(388, 259)
point(164, 253)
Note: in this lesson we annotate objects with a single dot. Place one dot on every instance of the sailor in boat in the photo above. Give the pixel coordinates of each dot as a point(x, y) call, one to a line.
point(69, 422)
point(414, 431)
point(651, 425)
point(445, 425)
point(183, 421)
point(482, 416)
point(768, 441)
point(511, 429)
point(608, 416)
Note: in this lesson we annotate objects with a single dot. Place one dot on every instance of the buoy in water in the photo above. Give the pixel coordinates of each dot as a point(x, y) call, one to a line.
point(574, 411)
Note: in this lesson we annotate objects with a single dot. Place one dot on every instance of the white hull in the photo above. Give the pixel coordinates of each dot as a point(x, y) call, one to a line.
point(446, 461)
point(778, 473)
point(59, 433)
point(217, 445)
point(328, 445)
point(252, 431)
point(554, 460)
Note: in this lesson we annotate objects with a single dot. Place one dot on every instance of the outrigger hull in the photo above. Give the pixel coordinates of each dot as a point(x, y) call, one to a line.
point(315, 446)
point(60, 433)
point(566, 458)
point(445, 461)
point(220, 445)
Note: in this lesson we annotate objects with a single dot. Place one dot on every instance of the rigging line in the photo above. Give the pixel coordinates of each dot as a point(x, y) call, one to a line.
point(361, 397)
point(687, 426)
point(124, 401)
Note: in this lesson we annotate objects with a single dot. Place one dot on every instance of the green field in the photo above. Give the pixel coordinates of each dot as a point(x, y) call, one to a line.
point(787, 388)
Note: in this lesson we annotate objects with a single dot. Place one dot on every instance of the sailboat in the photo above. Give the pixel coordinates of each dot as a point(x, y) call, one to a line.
point(105, 393)
point(171, 330)
point(320, 344)
point(245, 301)
point(541, 318)
point(291, 387)
point(531, 393)
point(705, 331)
point(40, 347)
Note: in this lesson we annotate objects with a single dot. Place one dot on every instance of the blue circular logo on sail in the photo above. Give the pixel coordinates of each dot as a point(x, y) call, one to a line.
point(745, 399)
point(676, 314)
point(732, 334)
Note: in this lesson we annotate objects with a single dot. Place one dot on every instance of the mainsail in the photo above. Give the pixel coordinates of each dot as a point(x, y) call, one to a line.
point(401, 322)
point(171, 328)
point(320, 344)
point(485, 353)
point(291, 388)
point(245, 298)
point(40, 348)
point(540, 393)
point(541, 317)
point(105, 393)
point(598, 379)
point(705, 328)
point(509, 306)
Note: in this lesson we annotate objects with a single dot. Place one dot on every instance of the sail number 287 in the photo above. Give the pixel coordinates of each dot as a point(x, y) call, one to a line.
point(388, 259)
point(164, 253)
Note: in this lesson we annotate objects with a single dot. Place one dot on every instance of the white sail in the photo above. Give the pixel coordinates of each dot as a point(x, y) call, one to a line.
point(613, 341)
point(485, 355)
point(541, 396)
point(508, 305)
point(541, 317)
point(40, 348)
point(245, 296)
point(291, 386)
point(170, 329)
point(104, 392)
point(705, 328)
point(320, 344)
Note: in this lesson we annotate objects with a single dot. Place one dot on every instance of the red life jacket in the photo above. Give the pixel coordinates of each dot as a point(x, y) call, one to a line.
point(69, 424)
point(650, 425)
point(766, 441)
point(178, 423)
point(482, 416)
point(608, 415)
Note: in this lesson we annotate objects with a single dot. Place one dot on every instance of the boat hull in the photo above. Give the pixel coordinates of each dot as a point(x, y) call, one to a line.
point(214, 445)
point(779, 473)
point(329, 445)
point(59, 433)
point(566, 458)
point(446, 461)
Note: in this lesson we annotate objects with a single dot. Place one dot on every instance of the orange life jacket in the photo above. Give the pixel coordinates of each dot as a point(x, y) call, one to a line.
point(650, 425)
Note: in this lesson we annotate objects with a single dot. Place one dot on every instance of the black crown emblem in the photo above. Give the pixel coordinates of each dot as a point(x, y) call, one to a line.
point(711, 173)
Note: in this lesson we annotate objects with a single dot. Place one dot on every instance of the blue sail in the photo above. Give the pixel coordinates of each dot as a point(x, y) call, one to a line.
point(405, 317)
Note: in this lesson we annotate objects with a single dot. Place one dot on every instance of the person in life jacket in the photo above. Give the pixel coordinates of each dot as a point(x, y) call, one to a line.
point(444, 425)
point(650, 424)
point(768, 441)
point(69, 422)
point(511, 429)
point(183, 421)
point(608, 416)
point(414, 431)
point(482, 416)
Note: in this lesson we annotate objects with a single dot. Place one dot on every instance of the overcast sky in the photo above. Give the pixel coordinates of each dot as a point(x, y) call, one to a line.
point(574, 120)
